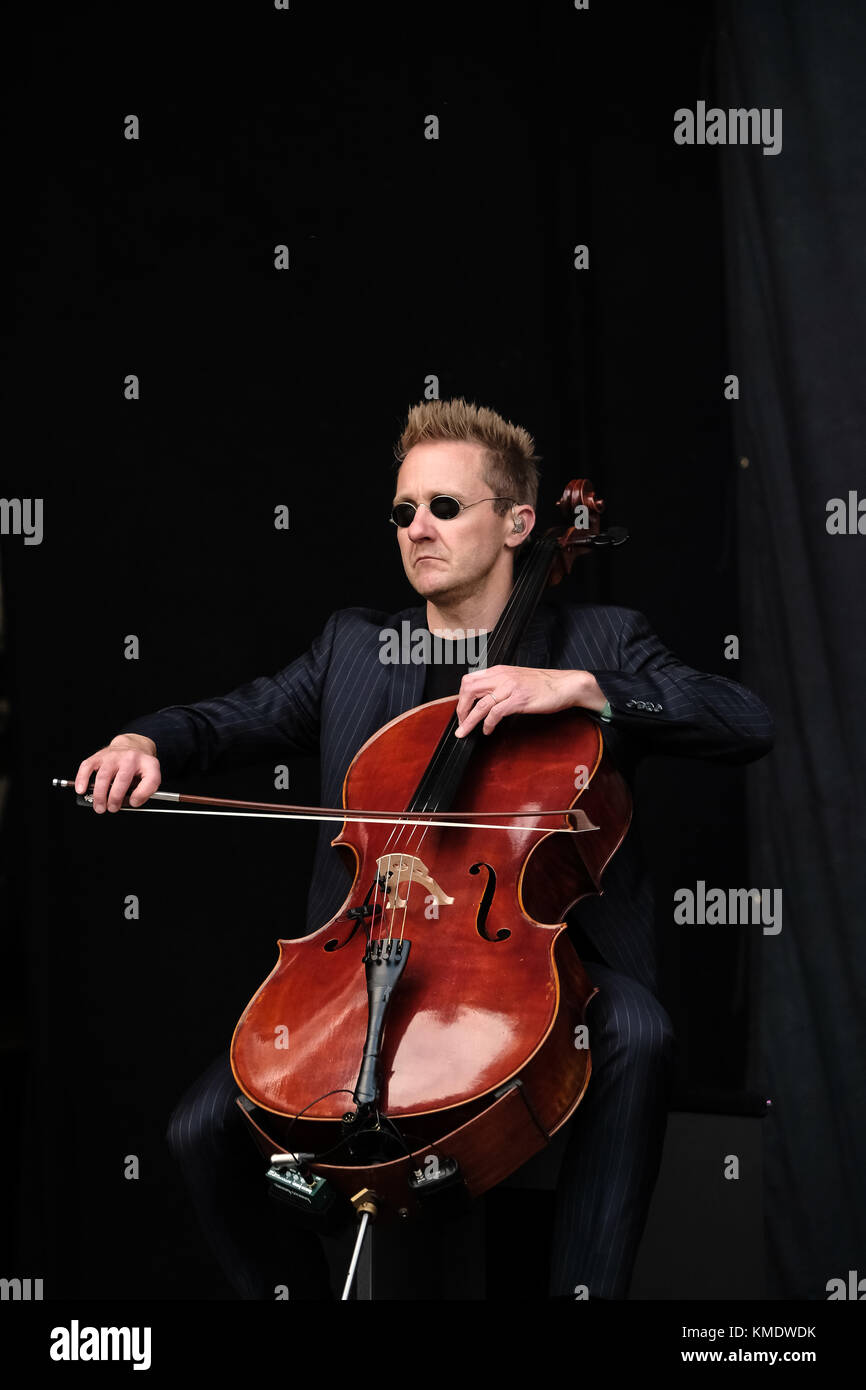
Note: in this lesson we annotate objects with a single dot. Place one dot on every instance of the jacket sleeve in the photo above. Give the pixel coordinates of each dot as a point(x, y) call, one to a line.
point(277, 713)
point(671, 708)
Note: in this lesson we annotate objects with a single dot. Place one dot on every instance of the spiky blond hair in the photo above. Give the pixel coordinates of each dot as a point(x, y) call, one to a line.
point(510, 465)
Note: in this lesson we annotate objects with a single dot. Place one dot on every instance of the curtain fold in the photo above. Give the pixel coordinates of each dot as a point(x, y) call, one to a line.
point(795, 234)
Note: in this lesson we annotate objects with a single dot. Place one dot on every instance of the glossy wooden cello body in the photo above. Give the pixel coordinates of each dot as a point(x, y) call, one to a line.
point(432, 1027)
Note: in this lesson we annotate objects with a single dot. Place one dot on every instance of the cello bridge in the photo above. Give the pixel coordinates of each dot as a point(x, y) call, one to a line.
point(395, 870)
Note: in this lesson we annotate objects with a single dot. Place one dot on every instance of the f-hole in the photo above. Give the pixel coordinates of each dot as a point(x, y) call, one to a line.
point(484, 905)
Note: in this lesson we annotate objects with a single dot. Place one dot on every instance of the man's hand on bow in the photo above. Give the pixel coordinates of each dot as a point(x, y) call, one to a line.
point(127, 759)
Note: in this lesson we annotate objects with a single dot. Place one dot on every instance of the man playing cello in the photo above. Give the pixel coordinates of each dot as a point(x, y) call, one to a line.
point(464, 503)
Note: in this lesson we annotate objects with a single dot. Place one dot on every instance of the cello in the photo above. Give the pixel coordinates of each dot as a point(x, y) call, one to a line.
point(430, 1037)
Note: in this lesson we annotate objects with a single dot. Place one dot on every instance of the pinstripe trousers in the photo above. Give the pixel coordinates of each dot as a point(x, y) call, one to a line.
point(608, 1172)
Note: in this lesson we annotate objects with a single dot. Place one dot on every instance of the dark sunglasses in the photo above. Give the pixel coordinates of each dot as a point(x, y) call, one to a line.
point(443, 508)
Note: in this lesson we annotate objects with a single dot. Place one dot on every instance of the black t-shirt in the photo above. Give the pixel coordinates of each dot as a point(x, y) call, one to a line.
point(446, 669)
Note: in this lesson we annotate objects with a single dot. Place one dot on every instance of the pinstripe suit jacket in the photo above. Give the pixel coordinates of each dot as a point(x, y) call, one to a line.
point(330, 700)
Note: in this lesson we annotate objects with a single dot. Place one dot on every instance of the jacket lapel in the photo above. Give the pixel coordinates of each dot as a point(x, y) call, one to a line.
point(534, 647)
point(405, 678)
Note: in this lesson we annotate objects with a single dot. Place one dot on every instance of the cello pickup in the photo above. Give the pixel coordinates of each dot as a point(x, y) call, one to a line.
point(440, 1185)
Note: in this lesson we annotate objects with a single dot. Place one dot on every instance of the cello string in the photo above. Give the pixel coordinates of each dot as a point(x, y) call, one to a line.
point(449, 751)
point(381, 882)
point(373, 914)
point(408, 891)
point(391, 890)
point(384, 873)
point(417, 833)
point(395, 893)
point(518, 607)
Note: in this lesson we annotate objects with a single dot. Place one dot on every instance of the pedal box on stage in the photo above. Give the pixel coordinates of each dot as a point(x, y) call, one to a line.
point(312, 1201)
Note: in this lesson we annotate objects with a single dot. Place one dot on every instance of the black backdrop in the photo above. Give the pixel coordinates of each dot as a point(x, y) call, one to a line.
point(408, 257)
point(796, 253)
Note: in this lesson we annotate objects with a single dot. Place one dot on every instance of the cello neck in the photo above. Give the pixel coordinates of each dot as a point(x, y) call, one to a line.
point(436, 790)
point(531, 582)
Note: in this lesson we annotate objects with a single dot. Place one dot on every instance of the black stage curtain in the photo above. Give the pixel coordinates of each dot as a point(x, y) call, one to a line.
point(796, 264)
